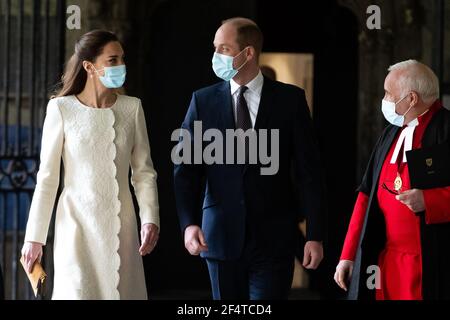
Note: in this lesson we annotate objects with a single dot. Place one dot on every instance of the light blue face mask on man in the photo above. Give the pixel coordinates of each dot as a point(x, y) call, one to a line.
point(223, 65)
point(114, 77)
point(388, 109)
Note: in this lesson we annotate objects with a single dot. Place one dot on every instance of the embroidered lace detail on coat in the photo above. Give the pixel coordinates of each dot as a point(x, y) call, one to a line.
point(97, 192)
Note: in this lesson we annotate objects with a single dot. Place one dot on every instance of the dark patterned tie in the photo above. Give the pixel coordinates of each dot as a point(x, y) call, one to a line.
point(243, 120)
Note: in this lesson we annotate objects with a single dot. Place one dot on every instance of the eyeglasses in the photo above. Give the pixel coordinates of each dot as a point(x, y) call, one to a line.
point(385, 187)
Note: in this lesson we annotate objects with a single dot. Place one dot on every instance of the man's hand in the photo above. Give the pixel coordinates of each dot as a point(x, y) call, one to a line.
point(149, 238)
point(194, 240)
point(413, 199)
point(313, 254)
point(343, 273)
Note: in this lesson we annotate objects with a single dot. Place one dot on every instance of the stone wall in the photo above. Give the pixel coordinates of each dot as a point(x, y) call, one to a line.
point(407, 32)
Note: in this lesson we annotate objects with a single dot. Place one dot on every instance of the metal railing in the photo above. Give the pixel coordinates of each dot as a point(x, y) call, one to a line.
point(31, 55)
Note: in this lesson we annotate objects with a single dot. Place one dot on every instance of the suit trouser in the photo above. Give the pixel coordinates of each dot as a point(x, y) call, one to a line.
point(256, 275)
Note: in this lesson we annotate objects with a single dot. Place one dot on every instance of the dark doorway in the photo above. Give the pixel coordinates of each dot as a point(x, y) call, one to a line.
point(329, 32)
point(178, 61)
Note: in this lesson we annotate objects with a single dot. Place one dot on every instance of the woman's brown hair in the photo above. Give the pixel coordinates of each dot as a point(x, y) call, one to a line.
point(87, 48)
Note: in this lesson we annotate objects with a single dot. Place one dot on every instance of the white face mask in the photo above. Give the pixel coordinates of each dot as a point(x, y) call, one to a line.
point(388, 109)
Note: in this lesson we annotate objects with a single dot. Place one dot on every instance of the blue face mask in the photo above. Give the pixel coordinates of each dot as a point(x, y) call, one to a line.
point(223, 66)
point(114, 77)
point(388, 109)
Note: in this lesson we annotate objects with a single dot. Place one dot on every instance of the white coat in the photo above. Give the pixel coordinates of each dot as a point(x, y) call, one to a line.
point(96, 237)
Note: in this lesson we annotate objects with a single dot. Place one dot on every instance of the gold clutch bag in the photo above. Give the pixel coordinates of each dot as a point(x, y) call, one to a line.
point(37, 277)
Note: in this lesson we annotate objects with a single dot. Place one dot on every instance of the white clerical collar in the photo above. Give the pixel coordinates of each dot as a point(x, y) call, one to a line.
point(254, 85)
point(405, 139)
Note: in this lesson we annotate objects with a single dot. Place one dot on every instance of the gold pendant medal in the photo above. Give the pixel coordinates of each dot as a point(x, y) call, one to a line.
point(398, 183)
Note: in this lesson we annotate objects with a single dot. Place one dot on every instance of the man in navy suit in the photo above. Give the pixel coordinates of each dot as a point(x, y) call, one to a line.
point(242, 221)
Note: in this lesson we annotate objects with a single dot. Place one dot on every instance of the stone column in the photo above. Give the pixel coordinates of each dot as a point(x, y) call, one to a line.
point(406, 33)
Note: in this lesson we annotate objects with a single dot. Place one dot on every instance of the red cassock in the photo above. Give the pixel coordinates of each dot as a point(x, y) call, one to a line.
point(401, 261)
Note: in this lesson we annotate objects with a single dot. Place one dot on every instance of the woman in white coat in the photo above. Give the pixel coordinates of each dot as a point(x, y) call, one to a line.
point(97, 134)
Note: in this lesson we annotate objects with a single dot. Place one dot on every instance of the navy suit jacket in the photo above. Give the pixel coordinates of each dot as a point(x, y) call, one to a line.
point(226, 199)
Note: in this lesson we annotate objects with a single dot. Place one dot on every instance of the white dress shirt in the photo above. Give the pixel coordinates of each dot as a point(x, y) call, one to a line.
point(252, 96)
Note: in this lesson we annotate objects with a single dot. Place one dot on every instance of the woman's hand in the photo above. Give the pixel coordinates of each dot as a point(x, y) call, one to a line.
point(149, 238)
point(31, 252)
